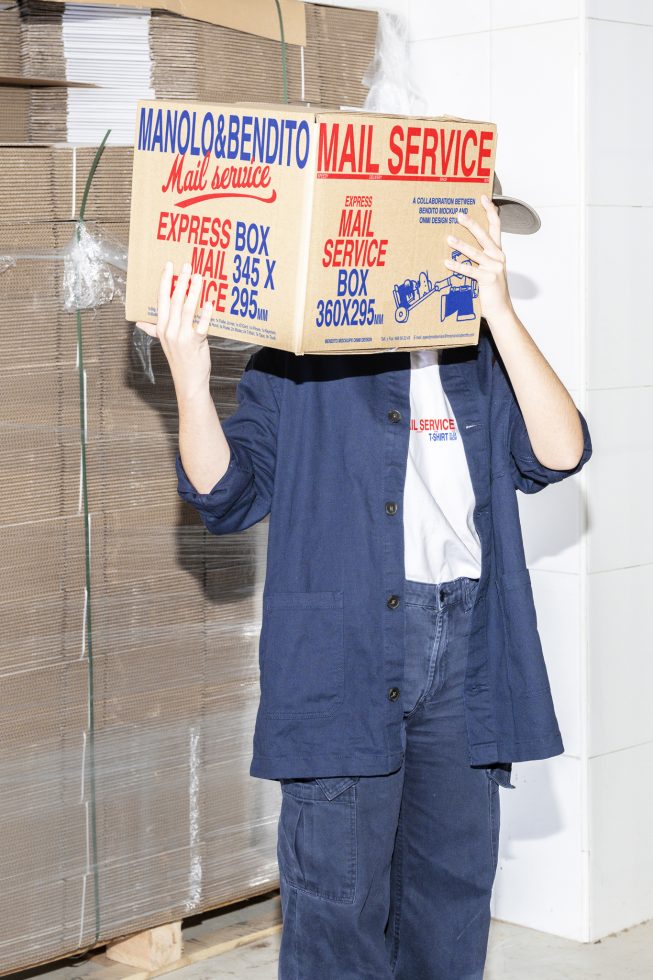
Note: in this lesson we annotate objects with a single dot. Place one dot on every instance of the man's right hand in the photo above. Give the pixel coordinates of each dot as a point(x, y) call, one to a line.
point(185, 346)
point(204, 450)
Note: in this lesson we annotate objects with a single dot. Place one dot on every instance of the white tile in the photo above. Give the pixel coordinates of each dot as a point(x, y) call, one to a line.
point(514, 13)
point(452, 75)
point(621, 665)
point(635, 11)
point(621, 809)
point(539, 879)
point(552, 523)
point(620, 340)
point(557, 605)
point(619, 477)
point(428, 19)
point(620, 137)
point(544, 283)
point(535, 73)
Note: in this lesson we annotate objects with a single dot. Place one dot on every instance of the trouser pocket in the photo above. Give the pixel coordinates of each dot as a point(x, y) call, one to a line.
point(316, 844)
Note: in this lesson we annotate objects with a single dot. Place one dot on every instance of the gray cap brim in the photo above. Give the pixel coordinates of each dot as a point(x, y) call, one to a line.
point(516, 216)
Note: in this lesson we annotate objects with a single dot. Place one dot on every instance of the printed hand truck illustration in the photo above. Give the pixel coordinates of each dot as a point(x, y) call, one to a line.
point(458, 293)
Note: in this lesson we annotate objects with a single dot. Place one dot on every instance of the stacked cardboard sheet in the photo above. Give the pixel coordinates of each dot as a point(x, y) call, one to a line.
point(109, 46)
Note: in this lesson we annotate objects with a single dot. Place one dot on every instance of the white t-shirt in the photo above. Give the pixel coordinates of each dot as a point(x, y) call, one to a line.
point(441, 542)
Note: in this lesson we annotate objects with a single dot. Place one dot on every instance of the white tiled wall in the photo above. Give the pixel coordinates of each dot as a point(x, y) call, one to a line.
point(620, 384)
point(621, 811)
point(541, 873)
point(569, 83)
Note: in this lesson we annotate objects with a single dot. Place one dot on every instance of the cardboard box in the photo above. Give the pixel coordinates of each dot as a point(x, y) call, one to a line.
point(315, 232)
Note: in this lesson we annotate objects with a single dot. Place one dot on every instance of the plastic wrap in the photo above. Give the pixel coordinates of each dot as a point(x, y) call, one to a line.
point(389, 78)
point(94, 266)
point(93, 263)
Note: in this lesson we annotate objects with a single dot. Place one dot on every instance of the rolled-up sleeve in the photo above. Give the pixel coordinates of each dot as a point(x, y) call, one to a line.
point(243, 495)
point(529, 474)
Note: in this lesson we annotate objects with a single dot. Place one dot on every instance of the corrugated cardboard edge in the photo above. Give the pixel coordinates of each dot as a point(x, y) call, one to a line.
point(258, 17)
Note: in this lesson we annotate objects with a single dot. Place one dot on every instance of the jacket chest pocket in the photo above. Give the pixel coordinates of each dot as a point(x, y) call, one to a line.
point(301, 654)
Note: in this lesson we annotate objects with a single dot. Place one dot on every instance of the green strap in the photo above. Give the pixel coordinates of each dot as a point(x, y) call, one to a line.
point(284, 62)
point(90, 755)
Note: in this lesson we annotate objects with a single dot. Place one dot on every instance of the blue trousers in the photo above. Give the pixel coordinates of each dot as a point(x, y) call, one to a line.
point(389, 877)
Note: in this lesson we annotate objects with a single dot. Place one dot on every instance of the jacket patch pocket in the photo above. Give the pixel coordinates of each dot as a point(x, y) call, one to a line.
point(527, 673)
point(301, 654)
point(316, 844)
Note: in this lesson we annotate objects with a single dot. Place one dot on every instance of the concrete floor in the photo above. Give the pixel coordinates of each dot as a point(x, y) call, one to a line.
point(514, 953)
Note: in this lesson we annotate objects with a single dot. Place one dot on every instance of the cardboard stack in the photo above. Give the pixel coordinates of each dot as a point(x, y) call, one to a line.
point(124, 765)
point(125, 739)
point(33, 73)
point(340, 47)
point(202, 61)
point(227, 52)
point(42, 56)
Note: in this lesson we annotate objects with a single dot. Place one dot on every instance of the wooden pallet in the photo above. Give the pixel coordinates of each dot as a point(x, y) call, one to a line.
point(167, 948)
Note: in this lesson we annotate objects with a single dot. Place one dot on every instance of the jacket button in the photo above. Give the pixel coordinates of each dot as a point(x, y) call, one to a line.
point(394, 415)
point(393, 602)
point(391, 508)
point(393, 693)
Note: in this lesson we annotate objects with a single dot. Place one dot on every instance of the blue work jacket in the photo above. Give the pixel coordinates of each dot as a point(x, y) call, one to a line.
point(320, 443)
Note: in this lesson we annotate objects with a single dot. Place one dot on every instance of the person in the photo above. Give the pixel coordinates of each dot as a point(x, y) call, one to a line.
point(401, 669)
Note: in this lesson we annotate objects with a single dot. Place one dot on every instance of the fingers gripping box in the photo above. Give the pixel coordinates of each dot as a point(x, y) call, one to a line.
point(314, 231)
